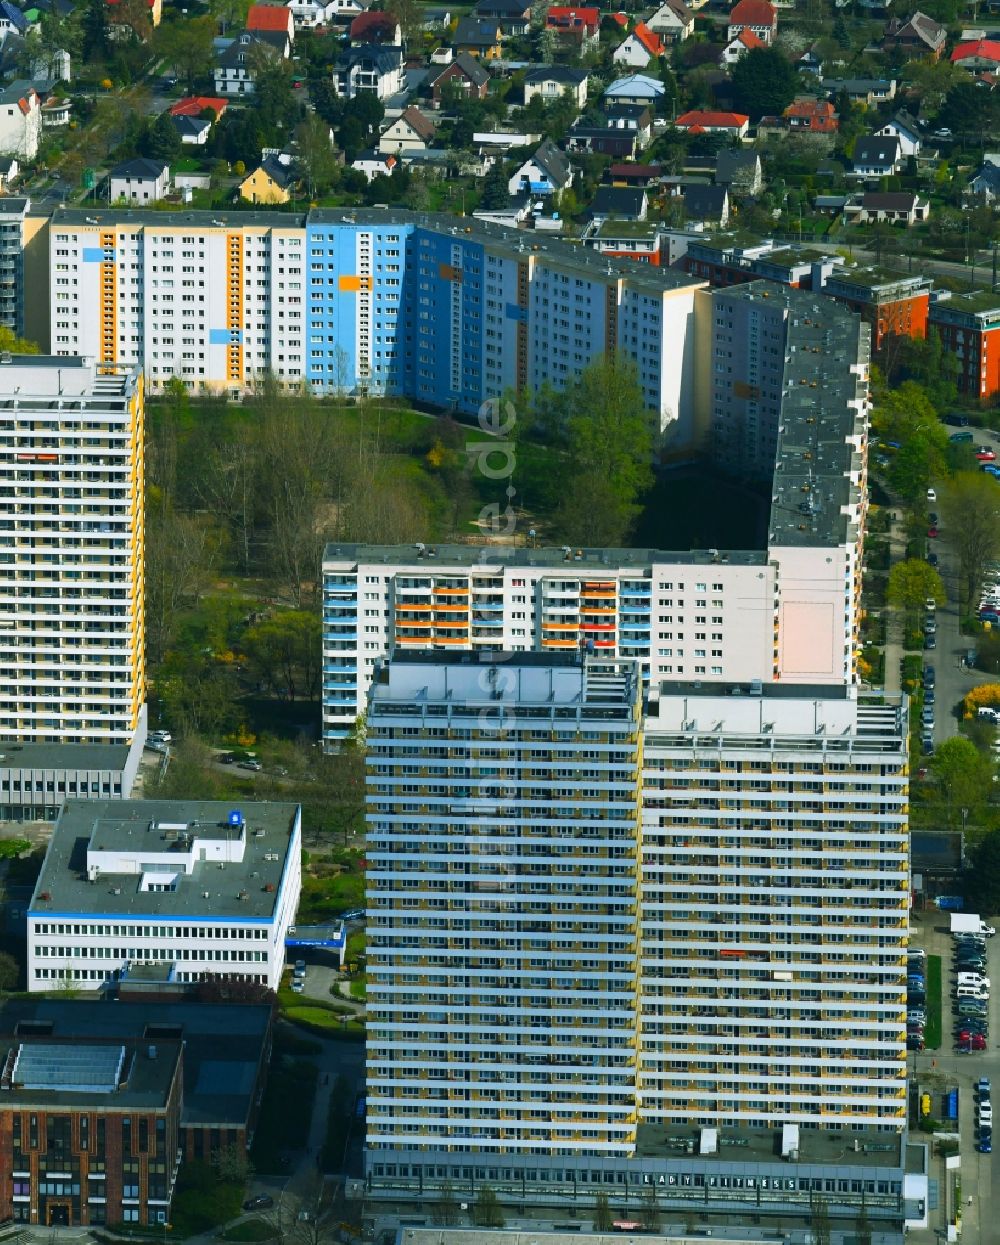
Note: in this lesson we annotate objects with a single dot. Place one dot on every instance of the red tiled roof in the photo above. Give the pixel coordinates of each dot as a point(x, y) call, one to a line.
point(986, 49)
point(268, 17)
point(634, 170)
point(366, 23)
point(566, 17)
point(712, 120)
point(752, 13)
point(650, 41)
point(620, 19)
point(195, 105)
point(749, 39)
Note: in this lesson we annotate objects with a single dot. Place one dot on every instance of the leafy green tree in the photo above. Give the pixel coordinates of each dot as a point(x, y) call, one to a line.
point(981, 884)
point(10, 971)
point(447, 1206)
point(10, 343)
point(970, 111)
point(186, 46)
point(161, 141)
point(316, 159)
point(912, 583)
point(285, 652)
point(94, 27)
point(606, 434)
point(603, 1219)
point(486, 1210)
point(964, 775)
point(651, 1209)
point(495, 187)
point(9, 848)
point(970, 506)
point(764, 82)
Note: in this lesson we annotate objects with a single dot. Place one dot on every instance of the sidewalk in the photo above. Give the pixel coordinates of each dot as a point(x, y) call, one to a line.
point(895, 618)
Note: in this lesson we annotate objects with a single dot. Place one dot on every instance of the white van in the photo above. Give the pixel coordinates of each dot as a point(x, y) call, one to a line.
point(972, 992)
point(973, 979)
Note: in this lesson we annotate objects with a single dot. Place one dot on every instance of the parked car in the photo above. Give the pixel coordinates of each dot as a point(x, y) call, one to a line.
point(985, 1145)
point(931, 495)
point(929, 676)
point(933, 533)
point(255, 766)
point(297, 985)
point(263, 1201)
point(929, 643)
point(984, 1113)
point(914, 1043)
point(983, 1088)
point(985, 454)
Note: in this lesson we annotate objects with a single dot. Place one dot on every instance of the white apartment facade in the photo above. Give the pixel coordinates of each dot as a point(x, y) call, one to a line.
point(774, 899)
point(71, 583)
point(216, 302)
point(520, 991)
point(197, 889)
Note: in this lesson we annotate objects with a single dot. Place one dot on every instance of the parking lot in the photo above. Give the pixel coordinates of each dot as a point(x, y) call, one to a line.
point(940, 1070)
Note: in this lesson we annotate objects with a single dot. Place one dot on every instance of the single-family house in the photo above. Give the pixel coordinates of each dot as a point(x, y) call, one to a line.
point(236, 65)
point(433, 20)
point(477, 38)
point(270, 182)
point(876, 156)
point(740, 169)
point(56, 66)
point(465, 75)
point(195, 105)
point(985, 183)
point(639, 48)
point(867, 91)
point(636, 88)
point(907, 130)
point(811, 116)
point(619, 203)
point(375, 27)
point(411, 131)
point(895, 207)
point(919, 35)
point(9, 171)
point(374, 164)
point(704, 121)
point(512, 16)
point(345, 11)
point(308, 14)
point(707, 204)
point(372, 67)
point(544, 173)
point(635, 117)
point(757, 16)
point(20, 120)
point(977, 54)
point(742, 42)
point(602, 140)
point(272, 19)
point(552, 81)
point(139, 181)
point(12, 20)
point(192, 131)
point(673, 22)
point(56, 112)
point(810, 62)
point(580, 27)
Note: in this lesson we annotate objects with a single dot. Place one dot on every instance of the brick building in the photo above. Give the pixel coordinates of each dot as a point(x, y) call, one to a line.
point(99, 1104)
point(89, 1129)
point(969, 327)
point(894, 305)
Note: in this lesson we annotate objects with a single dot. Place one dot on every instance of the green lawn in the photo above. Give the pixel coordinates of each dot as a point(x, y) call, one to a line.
point(250, 1230)
point(932, 1033)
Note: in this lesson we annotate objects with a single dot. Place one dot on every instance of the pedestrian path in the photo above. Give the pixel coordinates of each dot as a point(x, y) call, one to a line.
point(895, 618)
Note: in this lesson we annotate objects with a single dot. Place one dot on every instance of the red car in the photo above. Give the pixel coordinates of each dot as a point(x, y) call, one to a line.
point(932, 532)
point(985, 454)
point(970, 1041)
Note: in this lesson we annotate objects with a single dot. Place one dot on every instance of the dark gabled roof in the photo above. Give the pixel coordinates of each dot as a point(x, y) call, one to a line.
point(628, 112)
point(139, 167)
point(556, 73)
point(281, 174)
point(888, 201)
point(728, 162)
point(551, 160)
point(469, 66)
point(988, 174)
point(418, 123)
point(475, 33)
point(704, 201)
point(382, 57)
point(185, 124)
point(503, 8)
point(242, 45)
point(625, 202)
point(13, 15)
point(876, 149)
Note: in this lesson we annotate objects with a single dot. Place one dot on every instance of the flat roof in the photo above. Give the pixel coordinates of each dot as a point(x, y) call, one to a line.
point(811, 489)
point(242, 890)
point(222, 1041)
point(17, 755)
point(222, 219)
point(973, 303)
point(496, 557)
point(846, 1148)
point(878, 278)
point(93, 1074)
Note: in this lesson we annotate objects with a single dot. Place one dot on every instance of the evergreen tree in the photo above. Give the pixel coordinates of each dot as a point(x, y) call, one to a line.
point(161, 141)
point(495, 193)
point(764, 82)
point(95, 30)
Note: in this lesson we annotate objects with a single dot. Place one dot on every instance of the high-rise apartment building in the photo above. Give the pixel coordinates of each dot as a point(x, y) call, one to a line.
point(623, 944)
point(785, 397)
point(775, 891)
point(71, 535)
point(444, 311)
point(503, 966)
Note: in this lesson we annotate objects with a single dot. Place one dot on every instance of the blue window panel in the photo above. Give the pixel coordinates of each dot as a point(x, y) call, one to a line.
point(224, 337)
point(97, 255)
